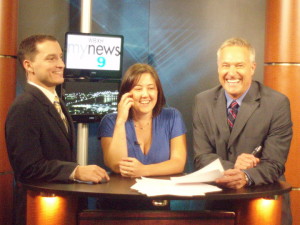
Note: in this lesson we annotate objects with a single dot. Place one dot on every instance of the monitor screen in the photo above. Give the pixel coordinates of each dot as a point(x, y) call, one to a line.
point(93, 55)
point(89, 101)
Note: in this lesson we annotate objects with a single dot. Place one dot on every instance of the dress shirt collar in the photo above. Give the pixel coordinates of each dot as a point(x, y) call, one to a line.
point(239, 100)
point(46, 92)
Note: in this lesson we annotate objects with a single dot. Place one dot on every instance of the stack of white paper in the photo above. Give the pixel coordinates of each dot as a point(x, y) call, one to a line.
point(188, 185)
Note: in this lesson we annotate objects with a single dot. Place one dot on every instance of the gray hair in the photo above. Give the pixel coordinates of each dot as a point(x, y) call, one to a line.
point(240, 43)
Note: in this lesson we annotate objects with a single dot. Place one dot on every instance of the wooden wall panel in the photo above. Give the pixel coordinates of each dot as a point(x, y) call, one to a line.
point(286, 79)
point(8, 27)
point(8, 49)
point(282, 31)
point(282, 73)
point(131, 217)
point(295, 203)
point(6, 203)
point(7, 95)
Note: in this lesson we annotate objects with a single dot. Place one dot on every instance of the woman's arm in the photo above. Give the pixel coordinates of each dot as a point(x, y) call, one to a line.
point(115, 148)
point(131, 167)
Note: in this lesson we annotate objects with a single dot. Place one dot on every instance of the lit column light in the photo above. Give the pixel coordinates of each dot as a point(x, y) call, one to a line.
point(50, 209)
point(260, 211)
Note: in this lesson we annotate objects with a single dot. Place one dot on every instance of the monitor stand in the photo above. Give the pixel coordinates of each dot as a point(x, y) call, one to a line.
point(82, 143)
point(83, 128)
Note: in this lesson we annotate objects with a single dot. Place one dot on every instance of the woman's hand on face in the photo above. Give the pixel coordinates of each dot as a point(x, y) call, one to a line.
point(124, 105)
point(131, 167)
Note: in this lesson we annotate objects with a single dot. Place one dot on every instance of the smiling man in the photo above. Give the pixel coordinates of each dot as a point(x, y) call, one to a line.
point(39, 130)
point(234, 118)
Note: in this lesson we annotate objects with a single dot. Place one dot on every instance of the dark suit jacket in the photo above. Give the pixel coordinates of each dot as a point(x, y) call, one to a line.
point(264, 119)
point(39, 147)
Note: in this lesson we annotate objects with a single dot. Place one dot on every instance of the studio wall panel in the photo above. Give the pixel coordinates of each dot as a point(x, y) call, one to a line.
point(282, 31)
point(7, 95)
point(282, 73)
point(6, 196)
point(8, 48)
point(8, 27)
point(286, 79)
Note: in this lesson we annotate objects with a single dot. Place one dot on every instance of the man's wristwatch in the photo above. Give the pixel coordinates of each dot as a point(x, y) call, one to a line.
point(247, 180)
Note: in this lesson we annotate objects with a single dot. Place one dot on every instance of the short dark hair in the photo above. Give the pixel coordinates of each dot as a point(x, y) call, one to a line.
point(132, 77)
point(27, 48)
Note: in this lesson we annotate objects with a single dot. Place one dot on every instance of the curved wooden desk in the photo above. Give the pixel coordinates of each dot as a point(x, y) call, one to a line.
point(253, 205)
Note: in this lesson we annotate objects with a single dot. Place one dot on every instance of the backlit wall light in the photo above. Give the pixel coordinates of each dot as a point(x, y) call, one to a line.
point(266, 207)
point(50, 208)
point(47, 194)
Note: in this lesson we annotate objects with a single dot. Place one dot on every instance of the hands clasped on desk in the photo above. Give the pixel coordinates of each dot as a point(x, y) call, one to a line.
point(236, 178)
point(131, 167)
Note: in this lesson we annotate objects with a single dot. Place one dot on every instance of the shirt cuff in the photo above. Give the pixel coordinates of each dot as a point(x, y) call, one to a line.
point(72, 176)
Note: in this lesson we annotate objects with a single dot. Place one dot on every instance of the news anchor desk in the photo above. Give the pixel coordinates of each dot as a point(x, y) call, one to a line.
point(53, 203)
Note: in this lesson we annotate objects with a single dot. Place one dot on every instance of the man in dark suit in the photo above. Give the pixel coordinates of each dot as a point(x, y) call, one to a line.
point(39, 137)
point(260, 116)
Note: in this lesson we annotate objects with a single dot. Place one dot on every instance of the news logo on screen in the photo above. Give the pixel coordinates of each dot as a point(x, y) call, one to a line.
point(98, 55)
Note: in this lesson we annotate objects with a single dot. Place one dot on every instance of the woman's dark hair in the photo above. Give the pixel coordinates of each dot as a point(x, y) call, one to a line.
point(132, 77)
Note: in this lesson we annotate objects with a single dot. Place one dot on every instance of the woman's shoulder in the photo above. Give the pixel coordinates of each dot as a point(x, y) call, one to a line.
point(169, 112)
point(109, 117)
point(171, 119)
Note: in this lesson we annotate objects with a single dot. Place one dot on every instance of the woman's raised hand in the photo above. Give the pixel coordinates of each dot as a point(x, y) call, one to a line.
point(124, 105)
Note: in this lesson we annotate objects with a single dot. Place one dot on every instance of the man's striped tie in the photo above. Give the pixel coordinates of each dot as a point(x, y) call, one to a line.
point(232, 113)
point(60, 112)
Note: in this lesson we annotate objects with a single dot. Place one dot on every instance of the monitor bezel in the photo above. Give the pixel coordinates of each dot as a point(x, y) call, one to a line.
point(85, 118)
point(92, 73)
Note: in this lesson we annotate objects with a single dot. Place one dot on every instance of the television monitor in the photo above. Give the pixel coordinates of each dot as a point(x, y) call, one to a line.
point(93, 55)
point(88, 101)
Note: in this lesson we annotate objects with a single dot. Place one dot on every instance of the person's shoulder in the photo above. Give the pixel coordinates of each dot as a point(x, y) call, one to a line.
point(267, 92)
point(24, 100)
point(109, 117)
point(210, 93)
point(169, 112)
point(31, 95)
point(24, 106)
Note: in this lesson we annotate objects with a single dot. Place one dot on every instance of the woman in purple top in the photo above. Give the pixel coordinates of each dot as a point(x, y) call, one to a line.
point(143, 138)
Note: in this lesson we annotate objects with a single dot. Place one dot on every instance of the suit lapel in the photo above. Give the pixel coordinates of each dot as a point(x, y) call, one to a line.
point(249, 105)
point(220, 116)
point(220, 112)
point(53, 113)
point(48, 107)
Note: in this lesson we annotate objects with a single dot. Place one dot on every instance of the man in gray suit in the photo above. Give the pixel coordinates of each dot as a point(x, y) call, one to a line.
point(259, 116)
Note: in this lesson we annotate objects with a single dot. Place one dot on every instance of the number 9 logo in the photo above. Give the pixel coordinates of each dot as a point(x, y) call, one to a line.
point(101, 61)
